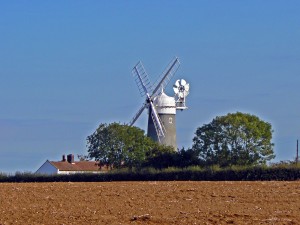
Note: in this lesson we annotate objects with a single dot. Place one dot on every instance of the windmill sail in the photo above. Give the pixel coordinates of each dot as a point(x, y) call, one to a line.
point(142, 79)
point(181, 89)
point(166, 76)
point(157, 123)
point(137, 115)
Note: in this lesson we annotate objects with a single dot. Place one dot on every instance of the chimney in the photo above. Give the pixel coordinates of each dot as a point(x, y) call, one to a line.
point(63, 158)
point(70, 158)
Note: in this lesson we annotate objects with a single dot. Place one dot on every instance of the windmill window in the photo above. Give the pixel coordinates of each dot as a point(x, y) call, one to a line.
point(170, 120)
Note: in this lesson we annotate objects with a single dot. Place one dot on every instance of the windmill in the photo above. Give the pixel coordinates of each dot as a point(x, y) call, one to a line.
point(161, 107)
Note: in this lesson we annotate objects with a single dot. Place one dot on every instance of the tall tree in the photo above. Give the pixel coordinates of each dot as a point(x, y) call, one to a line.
point(234, 139)
point(161, 156)
point(116, 145)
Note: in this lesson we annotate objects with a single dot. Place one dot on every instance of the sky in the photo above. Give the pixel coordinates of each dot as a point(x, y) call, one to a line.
point(65, 67)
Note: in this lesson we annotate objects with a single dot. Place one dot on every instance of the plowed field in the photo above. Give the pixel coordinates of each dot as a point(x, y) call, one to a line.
point(150, 203)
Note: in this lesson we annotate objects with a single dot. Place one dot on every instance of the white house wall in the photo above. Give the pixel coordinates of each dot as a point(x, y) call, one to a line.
point(73, 172)
point(47, 168)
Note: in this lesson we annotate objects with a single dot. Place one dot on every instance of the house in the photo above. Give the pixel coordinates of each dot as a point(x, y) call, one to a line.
point(69, 166)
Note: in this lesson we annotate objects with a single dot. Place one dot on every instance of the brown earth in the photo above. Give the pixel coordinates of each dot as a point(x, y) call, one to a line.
point(150, 203)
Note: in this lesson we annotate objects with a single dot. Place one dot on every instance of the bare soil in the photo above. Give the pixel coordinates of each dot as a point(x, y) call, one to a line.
point(150, 203)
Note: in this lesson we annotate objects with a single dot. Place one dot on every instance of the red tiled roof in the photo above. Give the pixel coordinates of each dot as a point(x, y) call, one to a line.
point(78, 166)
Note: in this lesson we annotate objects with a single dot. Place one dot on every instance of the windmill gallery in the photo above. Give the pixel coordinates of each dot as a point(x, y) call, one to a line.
point(161, 107)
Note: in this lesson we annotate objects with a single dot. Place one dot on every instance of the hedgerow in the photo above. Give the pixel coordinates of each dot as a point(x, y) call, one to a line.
point(169, 174)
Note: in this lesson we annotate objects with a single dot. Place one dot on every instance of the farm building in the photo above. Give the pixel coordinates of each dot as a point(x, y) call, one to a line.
point(69, 166)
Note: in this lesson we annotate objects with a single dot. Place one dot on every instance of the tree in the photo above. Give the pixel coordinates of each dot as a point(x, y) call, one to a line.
point(117, 145)
point(187, 157)
point(234, 139)
point(160, 156)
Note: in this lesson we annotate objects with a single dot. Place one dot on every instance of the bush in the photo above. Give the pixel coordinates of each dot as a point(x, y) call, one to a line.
point(169, 174)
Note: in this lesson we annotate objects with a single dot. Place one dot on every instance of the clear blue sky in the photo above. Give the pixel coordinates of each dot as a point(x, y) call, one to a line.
point(65, 67)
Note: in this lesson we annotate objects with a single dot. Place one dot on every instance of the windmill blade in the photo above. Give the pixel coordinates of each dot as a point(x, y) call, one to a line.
point(176, 84)
point(141, 79)
point(137, 115)
point(182, 82)
point(181, 88)
point(187, 87)
point(175, 89)
point(167, 75)
point(157, 123)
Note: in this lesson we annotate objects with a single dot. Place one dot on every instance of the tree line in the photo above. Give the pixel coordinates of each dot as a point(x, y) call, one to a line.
point(236, 139)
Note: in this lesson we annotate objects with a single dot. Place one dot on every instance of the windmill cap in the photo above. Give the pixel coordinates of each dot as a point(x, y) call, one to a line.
point(165, 104)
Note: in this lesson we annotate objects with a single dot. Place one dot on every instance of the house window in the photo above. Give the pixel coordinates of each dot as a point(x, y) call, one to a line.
point(170, 120)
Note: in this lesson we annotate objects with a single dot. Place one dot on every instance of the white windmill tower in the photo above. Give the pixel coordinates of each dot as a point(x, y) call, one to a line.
point(162, 108)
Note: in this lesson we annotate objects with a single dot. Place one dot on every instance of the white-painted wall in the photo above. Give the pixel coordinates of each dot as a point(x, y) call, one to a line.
point(73, 172)
point(47, 168)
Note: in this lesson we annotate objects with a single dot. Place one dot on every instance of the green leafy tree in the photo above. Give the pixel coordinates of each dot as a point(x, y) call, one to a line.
point(234, 139)
point(187, 157)
point(118, 145)
point(160, 156)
